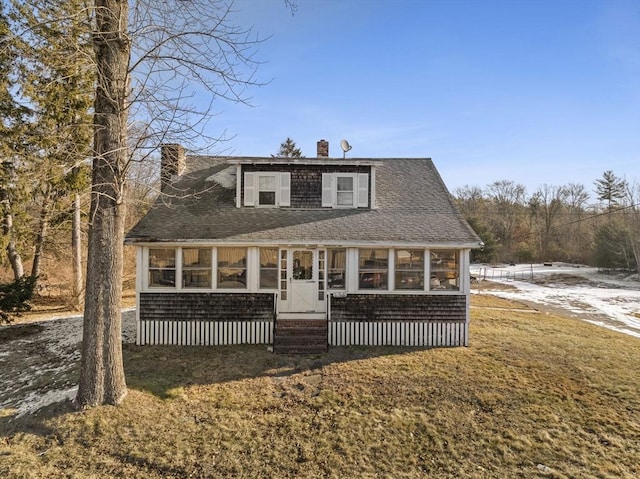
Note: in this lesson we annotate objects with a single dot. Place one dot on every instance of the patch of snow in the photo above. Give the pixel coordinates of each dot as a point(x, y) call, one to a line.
point(609, 301)
point(53, 353)
point(37, 400)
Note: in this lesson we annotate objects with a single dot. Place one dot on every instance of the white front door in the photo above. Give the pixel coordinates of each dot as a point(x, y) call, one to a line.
point(301, 286)
point(303, 281)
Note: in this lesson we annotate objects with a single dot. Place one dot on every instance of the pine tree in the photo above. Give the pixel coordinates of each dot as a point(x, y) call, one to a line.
point(288, 149)
point(610, 188)
point(56, 79)
point(11, 123)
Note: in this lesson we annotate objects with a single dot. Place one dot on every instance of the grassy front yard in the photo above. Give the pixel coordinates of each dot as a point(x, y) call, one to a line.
point(536, 395)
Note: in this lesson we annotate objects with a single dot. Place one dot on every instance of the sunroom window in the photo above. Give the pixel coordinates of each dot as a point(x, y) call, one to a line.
point(373, 268)
point(409, 269)
point(445, 270)
point(196, 267)
point(336, 268)
point(162, 267)
point(232, 268)
point(268, 268)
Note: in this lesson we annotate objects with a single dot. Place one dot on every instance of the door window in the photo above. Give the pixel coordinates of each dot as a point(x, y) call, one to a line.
point(302, 265)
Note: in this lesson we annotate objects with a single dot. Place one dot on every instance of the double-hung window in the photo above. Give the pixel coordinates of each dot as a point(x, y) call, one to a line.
point(345, 190)
point(268, 268)
point(336, 268)
point(196, 267)
point(267, 188)
point(445, 270)
point(232, 268)
point(162, 267)
point(373, 266)
point(409, 269)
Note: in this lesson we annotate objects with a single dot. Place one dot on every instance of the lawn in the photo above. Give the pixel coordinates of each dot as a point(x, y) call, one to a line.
point(535, 395)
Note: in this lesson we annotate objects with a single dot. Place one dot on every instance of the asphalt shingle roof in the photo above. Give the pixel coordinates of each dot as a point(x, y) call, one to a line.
point(413, 206)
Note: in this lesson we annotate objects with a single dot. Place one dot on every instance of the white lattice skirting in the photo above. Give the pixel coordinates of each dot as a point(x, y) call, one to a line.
point(397, 333)
point(343, 333)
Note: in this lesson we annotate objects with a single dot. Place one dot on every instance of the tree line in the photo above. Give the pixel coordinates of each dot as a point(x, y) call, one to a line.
point(556, 223)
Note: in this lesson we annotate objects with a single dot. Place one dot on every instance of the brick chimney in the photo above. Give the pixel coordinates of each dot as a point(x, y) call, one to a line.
point(172, 162)
point(323, 149)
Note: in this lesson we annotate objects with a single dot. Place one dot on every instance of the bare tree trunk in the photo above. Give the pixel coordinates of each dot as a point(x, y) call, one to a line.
point(12, 251)
point(7, 229)
point(102, 378)
point(41, 236)
point(76, 246)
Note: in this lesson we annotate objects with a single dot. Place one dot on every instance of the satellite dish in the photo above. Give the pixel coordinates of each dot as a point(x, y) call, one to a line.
point(344, 144)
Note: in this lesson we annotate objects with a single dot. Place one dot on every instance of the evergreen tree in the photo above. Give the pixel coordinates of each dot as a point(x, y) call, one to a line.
point(611, 249)
point(488, 253)
point(610, 188)
point(288, 149)
point(56, 79)
point(11, 125)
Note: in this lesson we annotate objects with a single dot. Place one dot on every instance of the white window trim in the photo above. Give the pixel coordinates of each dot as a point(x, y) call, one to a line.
point(177, 282)
point(353, 191)
point(425, 272)
point(253, 270)
point(462, 287)
point(249, 274)
point(390, 262)
point(258, 269)
point(252, 188)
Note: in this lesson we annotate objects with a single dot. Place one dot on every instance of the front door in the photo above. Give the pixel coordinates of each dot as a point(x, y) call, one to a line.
point(302, 281)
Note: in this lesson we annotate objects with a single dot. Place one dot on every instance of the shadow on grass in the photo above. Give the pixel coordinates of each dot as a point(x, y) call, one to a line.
point(163, 370)
point(36, 423)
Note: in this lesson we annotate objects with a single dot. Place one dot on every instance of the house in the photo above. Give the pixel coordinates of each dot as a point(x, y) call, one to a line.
point(302, 254)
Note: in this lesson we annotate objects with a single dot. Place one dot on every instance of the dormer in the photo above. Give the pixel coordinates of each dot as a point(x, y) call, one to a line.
point(305, 183)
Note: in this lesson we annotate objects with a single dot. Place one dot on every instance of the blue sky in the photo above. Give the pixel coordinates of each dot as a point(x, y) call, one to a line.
point(533, 91)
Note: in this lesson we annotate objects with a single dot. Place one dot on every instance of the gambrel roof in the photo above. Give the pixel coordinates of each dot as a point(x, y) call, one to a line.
point(413, 206)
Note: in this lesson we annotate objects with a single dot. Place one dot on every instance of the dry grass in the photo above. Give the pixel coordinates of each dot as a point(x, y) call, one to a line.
point(536, 395)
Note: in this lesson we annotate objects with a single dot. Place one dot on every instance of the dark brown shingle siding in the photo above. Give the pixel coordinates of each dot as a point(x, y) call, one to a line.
point(206, 306)
point(387, 307)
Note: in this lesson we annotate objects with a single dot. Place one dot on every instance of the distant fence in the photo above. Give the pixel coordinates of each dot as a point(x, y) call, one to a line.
point(502, 275)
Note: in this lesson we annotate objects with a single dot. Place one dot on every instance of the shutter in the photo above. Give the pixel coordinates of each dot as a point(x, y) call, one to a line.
point(363, 190)
point(285, 189)
point(327, 190)
point(249, 189)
